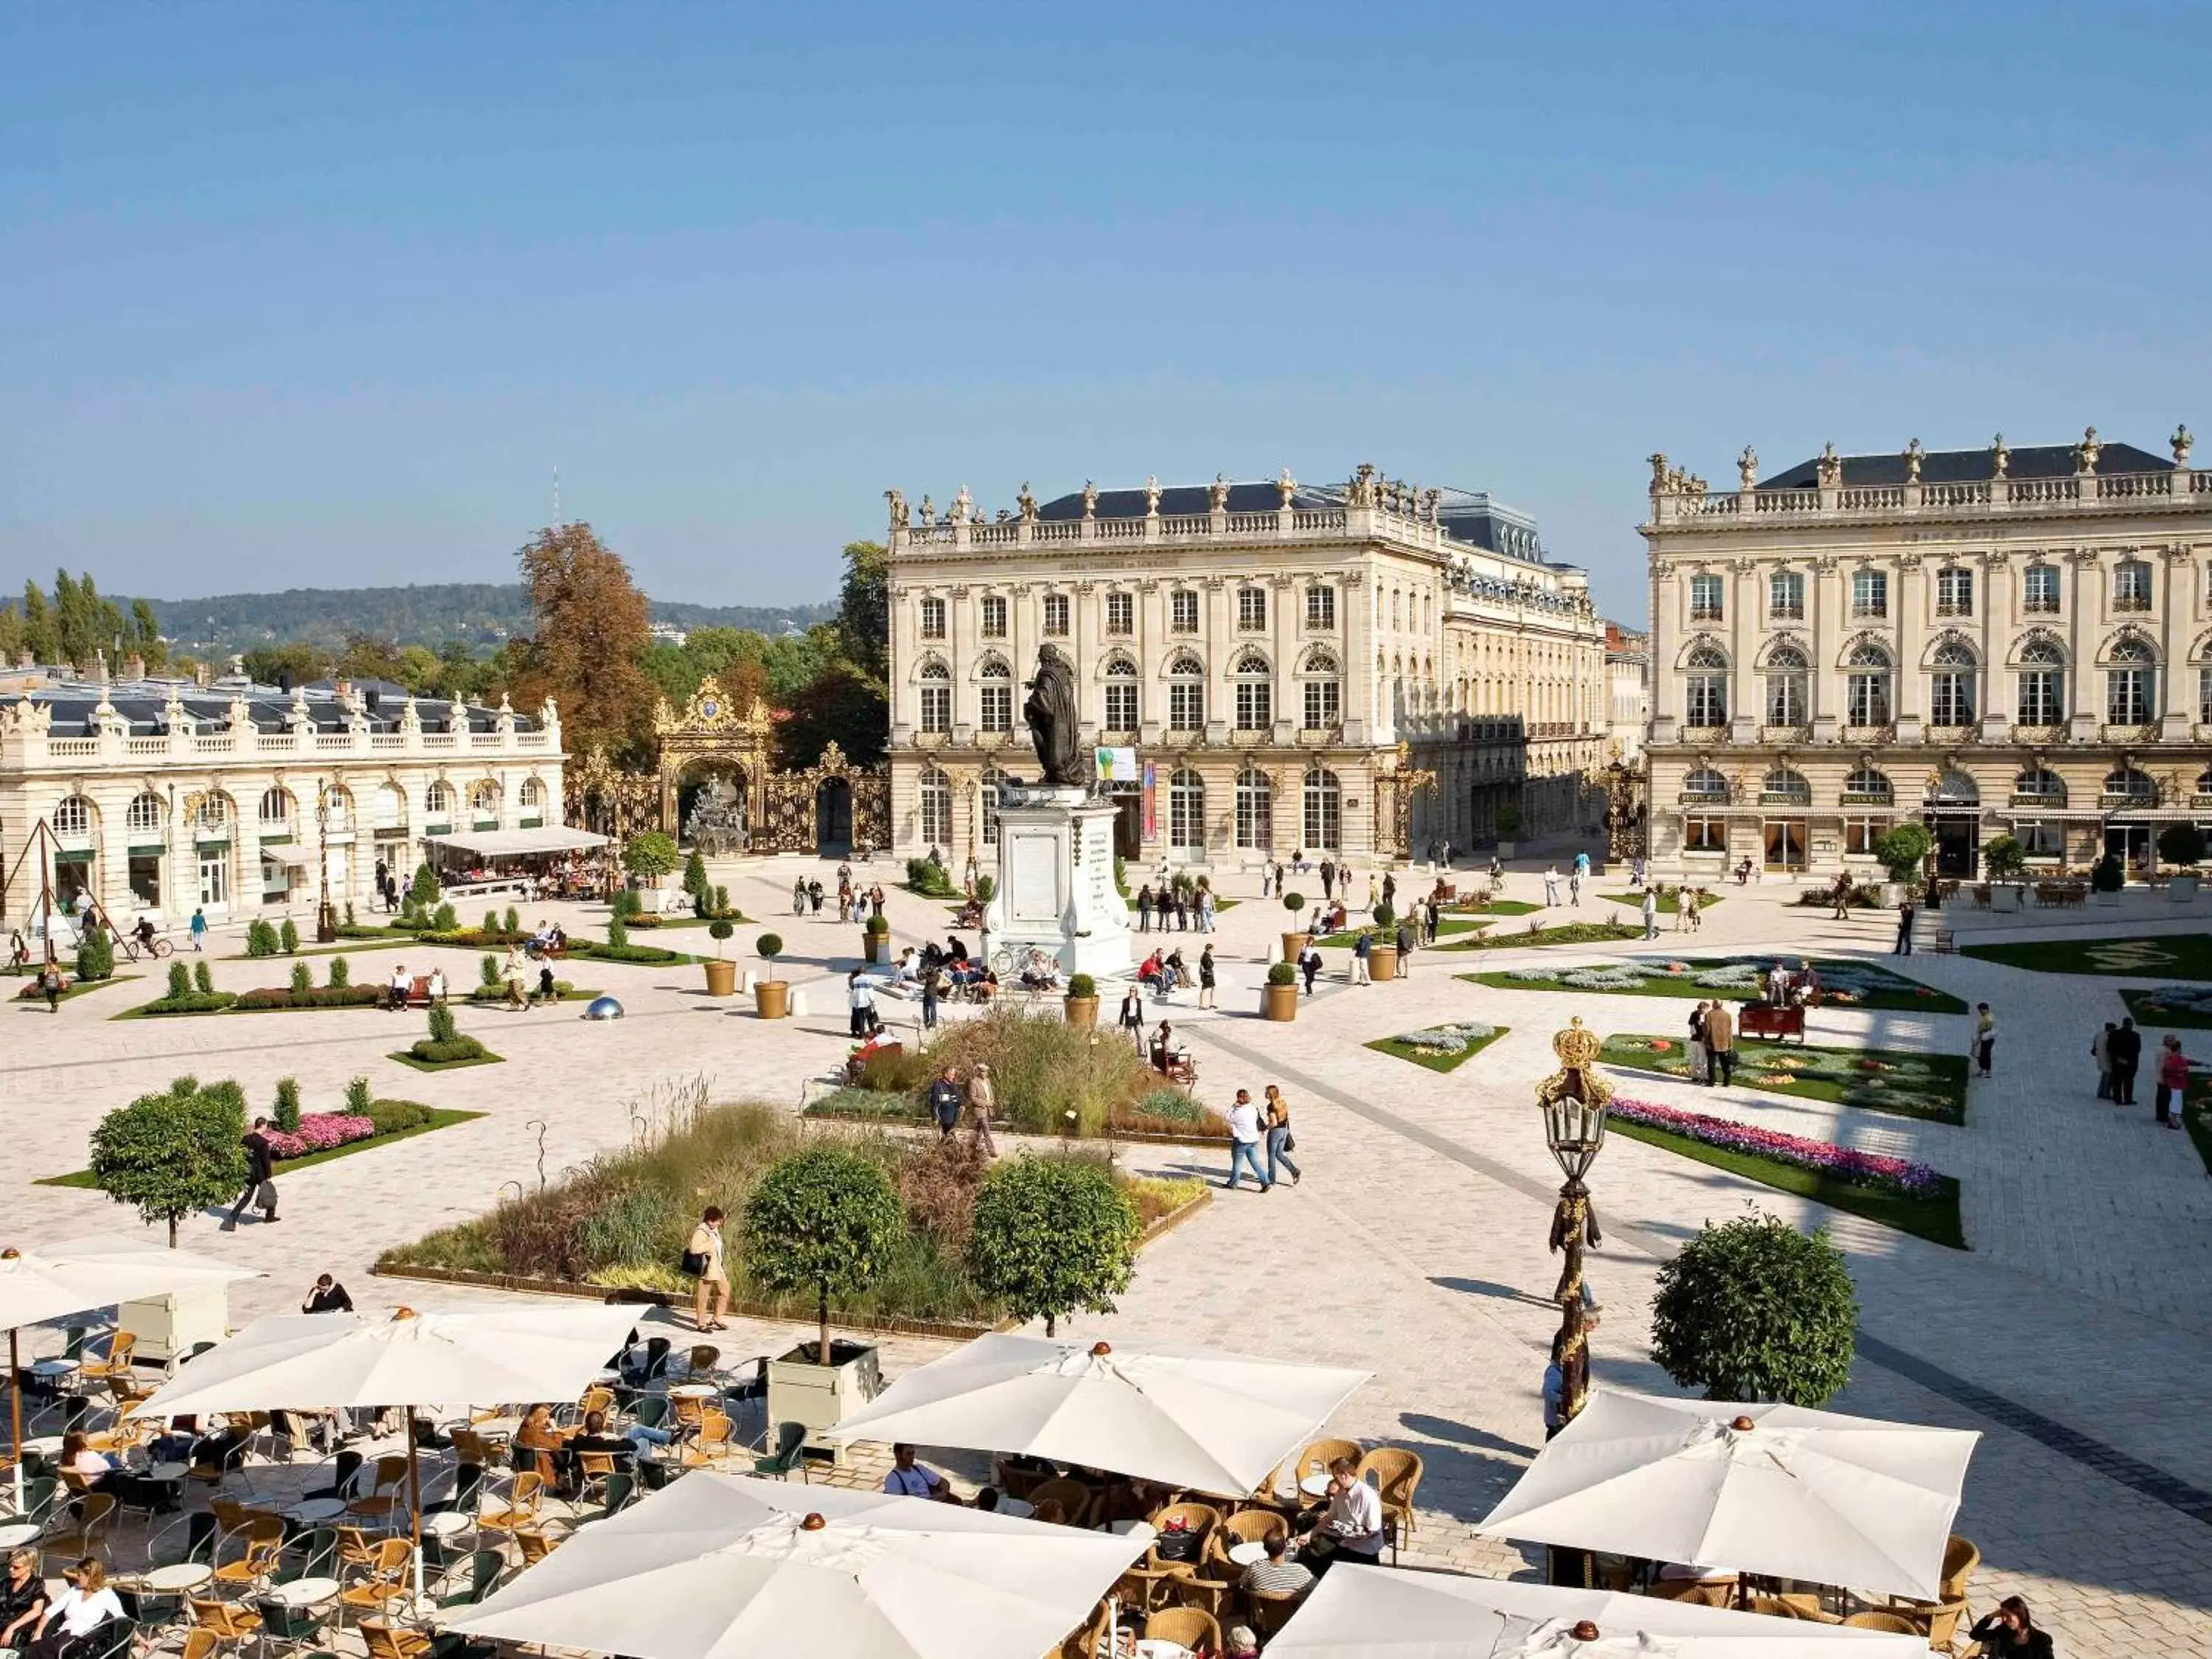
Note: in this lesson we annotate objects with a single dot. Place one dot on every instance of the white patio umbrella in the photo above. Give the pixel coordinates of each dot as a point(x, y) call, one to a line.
point(1747, 1488)
point(1192, 1417)
point(497, 1354)
point(58, 1279)
point(714, 1566)
point(1380, 1613)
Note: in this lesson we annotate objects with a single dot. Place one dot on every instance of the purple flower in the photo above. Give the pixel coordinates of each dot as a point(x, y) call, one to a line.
point(318, 1132)
point(1876, 1170)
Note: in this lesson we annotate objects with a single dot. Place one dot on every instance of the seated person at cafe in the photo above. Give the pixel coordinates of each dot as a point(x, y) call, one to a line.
point(539, 1436)
point(638, 1440)
point(908, 1478)
point(23, 1599)
point(1278, 1575)
point(1351, 1529)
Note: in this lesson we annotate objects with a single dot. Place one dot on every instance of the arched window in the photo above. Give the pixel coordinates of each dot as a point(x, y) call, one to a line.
point(1953, 788)
point(1255, 810)
point(214, 811)
point(1322, 683)
point(2038, 787)
point(2131, 685)
point(276, 809)
point(534, 793)
point(1867, 787)
point(2205, 784)
point(1186, 811)
point(1705, 784)
point(936, 825)
point(2127, 787)
point(1951, 687)
point(1706, 688)
point(992, 780)
point(1788, 675)
point(438, 801)
point(73, 817)
point(1121, 708)
point(146, 814)
point(936, 696)
point(483, 799)
point(2042, 683)
point(1186, 693)
point(996, 711)
point(1324, 813)
point(1255, 685)
point(1866, 686)
point(1783, 788)
point(391, 806)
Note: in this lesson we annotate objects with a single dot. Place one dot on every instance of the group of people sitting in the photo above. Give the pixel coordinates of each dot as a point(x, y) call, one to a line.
point(42, 1625)
point(563, 1450)
point(1785, 989)
point(550, 939)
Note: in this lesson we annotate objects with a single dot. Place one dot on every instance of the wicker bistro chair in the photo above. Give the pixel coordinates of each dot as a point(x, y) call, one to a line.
point(1270, 1610)
point(1397, 1476)
point(1316, 1458)
point(715, 1441)
point(1189, 1627)
point(261, 1564)
point(81, 1529)
point(383, 1500)
point(1072, 1496)
point(1960, 1558)
point(1245, 1527)
point(535, 1545)
point(1876, 1619)
point(116, 1362)
point(521, 1509)
point(388, 1581)
point(388, 1641)
point(227, 1620)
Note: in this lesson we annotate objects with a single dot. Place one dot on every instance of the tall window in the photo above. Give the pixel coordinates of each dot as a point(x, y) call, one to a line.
point(146, 814)
point(534, 793)
point(1056, 616)
point(1255, 692)
point(2204, 697)
point(995, 617)
point(936, 698)
point(2131, 586)
point(1321, 607)
point(1186, 694)
point(1788, 675)
point(73, 817)
point(276, 809)
point(1186, 811)
point(2038, 590)
point(437, 802)
point(1120, 695)
point(1870, 594)
point(483, 800)
point(1255, 810)
point(932, 619)
point(1954, 592)
point(1705, 784)
point(1951, 689)
point(1121, 614)
point(936, 808)
point(1705, 597)
point(1324, 691)
point(1182, 612)
point(2042, 683)
point(214, 811)
point(1706, 688)
point(1324, 814)
point(1252, 608)
point(2129, 694)
point(996, 710)
point(992, 780)
point(1866, 687)
point(1785, 596)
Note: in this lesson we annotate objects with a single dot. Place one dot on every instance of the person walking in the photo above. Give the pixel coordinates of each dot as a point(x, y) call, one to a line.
point(2125, 1047)
point(1309, 966)
point(983, 1100)
point(1361, 947)
point(1700, 1056)
point(50, 986)
point(1374, 892)
point(1650, 913)
point(1276, 1120)
point(1575, 886)
point(2100, 1051)
point(1132, 1019)
point(19, 953)
point(1389, 890)
point(860, 999)
point(1551, 885)
point(1720, 1041)
point(945, 1103)
point(1692, 900)
point(1405, 943)
point(1842, 896)
point(199, 929)
point(703, 1259)
point(1905, 914)
point(929, 981)
point(1205, 977)
point(1329, 879)
point(1244, 1142)
point(512, 972)
point(260, 1170)
point(1145, 908)
point(2172, 1076)
point(1985, 1037)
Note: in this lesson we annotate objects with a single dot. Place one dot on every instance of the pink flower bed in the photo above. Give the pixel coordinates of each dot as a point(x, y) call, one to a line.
point(318, 1133)
point(1898, 1175)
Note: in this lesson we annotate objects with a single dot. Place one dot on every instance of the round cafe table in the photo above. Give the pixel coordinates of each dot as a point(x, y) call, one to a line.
point(309, 1510)
point(1154, 1648)
point(20, 1534)
point(1143, 1529)
point(444, 1524)
point(55, 1367)
point(497, 1428)
point(1315, 1485)
point(302, 1592)
point(47, 1445)
point(693, 1391)
point(1247, 1554)
point(168, 1473)
point(1020, 1508)
point(177, 1577)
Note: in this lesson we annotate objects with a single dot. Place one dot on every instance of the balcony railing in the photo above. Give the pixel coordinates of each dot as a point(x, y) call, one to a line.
point(2180, 488)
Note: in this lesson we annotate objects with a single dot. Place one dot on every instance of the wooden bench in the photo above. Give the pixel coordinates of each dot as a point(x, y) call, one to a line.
point(1770, 1021)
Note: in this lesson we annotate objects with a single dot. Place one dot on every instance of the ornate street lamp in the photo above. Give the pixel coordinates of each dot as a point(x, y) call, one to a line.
point(327, 917)
point(1574, 1101)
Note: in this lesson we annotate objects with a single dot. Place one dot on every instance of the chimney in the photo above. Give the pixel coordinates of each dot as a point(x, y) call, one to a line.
point(134, 667)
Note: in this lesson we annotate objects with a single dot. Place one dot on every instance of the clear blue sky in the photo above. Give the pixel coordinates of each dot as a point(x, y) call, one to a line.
point(312, 294)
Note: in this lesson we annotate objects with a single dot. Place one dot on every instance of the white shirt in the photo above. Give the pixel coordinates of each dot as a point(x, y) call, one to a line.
point(1245, 1120)
point(400, 979)
point(81, 1614)
point(863, 996)
point(1355, 1517)
point(916, 1482)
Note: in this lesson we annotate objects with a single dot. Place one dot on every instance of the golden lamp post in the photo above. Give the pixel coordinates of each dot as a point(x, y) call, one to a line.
point(1573, 1100)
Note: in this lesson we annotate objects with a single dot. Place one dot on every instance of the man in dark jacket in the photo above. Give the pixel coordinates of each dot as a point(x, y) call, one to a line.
point(2125, 1048)
point(1405, 943)
point(260, 1168)
point(944, 1101)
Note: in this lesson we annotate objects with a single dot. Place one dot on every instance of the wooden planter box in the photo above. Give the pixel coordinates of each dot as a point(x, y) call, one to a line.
point(800, 1390)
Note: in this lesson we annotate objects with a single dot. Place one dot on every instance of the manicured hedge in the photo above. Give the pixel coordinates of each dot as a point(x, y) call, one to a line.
point(315, 996)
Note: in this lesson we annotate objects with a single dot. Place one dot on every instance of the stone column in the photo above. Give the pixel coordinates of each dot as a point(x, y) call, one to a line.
point(2085, 604)
point(1909, 611)
point(1666, 647)
point(2177, 607)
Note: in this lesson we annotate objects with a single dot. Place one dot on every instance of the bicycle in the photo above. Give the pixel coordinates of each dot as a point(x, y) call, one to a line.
point(156, 948)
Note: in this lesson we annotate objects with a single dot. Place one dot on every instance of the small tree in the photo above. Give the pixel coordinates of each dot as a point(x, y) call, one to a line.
point(360, 1097)
point(722, 901)
point(95, 956)
point(649, 856)
point(203, 979)
point(180, 982)
point(823, 1220)
point(771, 946)
point(2004, 858)
point(720, 930)
point(1384, 915)
point(617, 932)
point(491, 924)
point(424, 890)
point(260, 938)
point(1295, 904)
point(286, 1112)
point(2181, 843)
point(444, 919)
point(341, 974)
point(513, 920)
point(696, 884)
point(1508, 822)
point(1755, 1309)
point(2108, 874)
point(173, 1153)
point(288, 936)
point(1052, 1235)
point(488, 971)
point(303, 980)
point(1904, 850)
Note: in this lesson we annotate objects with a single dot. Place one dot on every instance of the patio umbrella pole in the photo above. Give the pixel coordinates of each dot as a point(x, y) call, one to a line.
point(414, 1507)
point(15, 1415)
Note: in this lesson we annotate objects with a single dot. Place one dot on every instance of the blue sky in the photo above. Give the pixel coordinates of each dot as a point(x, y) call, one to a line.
point(308, 294)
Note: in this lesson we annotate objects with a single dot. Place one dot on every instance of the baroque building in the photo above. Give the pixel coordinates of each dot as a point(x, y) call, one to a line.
point(1360, 669)
point(1995, 642)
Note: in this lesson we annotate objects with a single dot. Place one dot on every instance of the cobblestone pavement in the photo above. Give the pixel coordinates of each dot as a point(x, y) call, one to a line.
point(2073, 1333)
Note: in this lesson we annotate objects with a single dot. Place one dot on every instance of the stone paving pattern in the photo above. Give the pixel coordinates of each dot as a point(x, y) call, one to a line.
point(2073, 1334)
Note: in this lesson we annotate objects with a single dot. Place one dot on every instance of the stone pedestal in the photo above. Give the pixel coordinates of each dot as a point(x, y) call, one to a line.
point(1055, 888)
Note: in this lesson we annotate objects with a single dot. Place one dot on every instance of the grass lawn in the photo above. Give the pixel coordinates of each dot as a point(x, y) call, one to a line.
point(1931, 1086)
point(1567, 932)
point(1504, 908)
point(487, 1058)
point(75, 988)
point(438, 1120)
point(2149, 1011)
point(1350, 936)
point(1670, 901)
point(343, 947)
point(2162, 956)
point(1935, 1219)
point(1437, 1062)
point(1864, 985)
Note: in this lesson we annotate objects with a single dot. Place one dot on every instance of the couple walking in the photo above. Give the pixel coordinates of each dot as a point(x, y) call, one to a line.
point(1712, 1043)
point(1251, 1127)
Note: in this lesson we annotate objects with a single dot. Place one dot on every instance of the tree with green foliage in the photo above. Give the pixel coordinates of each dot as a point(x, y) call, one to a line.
point(424, 890)
point(341, 974)
point(1052, 1236)
point(203, 978)
point(173, 1153)
point(291, 665)
point(1904, 850)
point(285, 1114)
point(303, 979)
point(824, 1221)
point(1755, 1309)
point(95, 956)
point(696, 884)
point(2181, 843)
point(2004, 858)
point(649, 855)
point(590, 636)
point(39, 625)
point(864, 608)
point(287, 936)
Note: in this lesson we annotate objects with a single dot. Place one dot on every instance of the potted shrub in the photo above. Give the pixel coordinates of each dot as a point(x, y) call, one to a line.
point(1755, 1309)
point(1294, 944)
point(2182, 844)
point(721, 974)
point(771, 997)
point(2105, 881)
point(1509, 826)
point(1080, 1005)
point(821, 1223)
point(876, 937)
point(1052, 1236)
point(2006, 860)
point(1278, 998)
point(1383, 948)
point(1903, 850)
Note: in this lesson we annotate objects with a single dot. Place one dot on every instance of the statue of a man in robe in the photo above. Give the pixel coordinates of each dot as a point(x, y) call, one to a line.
point(1050, 713)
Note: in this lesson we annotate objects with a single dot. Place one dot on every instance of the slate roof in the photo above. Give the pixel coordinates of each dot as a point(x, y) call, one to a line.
point(144, 703)
point(1968, 466)
point(1467, 515)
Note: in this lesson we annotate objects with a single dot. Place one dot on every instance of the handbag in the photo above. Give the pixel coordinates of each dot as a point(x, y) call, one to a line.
point(265, 1195)
point(1290, 1143)
point(693, 1262)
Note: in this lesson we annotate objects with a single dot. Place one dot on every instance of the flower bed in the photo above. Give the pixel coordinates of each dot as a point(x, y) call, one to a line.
point(324, 1136)
point(1902, 1175)
point(318, 1132)
point(2179, 1007)
point(1442, 1047)
point(1931, 1086)
point(1847, 983)
point(1567, 932)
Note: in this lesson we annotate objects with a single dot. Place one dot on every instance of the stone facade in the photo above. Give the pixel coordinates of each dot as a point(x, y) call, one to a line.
point(165, 797)
point(1996, 642)
point(1359, 669)
point(1628, 683)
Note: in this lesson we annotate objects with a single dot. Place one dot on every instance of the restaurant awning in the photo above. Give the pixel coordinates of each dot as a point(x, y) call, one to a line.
point(298, 858)
point(513, 843)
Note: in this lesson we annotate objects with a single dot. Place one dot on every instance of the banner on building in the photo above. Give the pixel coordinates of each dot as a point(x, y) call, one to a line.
point(1117, 765)
point(1151, 801)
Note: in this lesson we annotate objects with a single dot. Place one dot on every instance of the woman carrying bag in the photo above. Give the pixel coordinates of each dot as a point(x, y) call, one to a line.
point(1275, 1118)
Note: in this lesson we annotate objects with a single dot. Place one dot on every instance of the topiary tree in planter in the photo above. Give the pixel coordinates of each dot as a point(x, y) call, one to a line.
point(769, 946)
point(1052, 1236)
point(720, 930)
point(174, 1153)
point(1384, 914)
point(649, 855)
point(823, 1221)
point(2182, 844)
point(1903, 850)
point(2109, 875)
point(1755, 1309)
point(2005, 859)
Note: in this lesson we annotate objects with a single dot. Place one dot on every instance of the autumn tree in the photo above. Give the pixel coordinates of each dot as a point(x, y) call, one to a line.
point(592, 635)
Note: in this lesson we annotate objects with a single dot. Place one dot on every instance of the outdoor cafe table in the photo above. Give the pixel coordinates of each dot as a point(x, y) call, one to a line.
point(1247, 1554)
point(693, 1391)
point(302, 1592)
point(309, 1510)
point(20, 1534)
point(1315, 1485)
point(177, 1577)
point(444, 1524)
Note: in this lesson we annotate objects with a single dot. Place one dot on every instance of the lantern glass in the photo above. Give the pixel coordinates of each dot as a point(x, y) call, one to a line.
point(1575, 1130)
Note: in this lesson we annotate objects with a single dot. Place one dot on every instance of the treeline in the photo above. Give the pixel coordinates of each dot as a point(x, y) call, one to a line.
point(77, 624)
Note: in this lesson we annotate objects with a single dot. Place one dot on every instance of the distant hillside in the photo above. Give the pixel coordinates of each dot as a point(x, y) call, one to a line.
point(481, 613)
